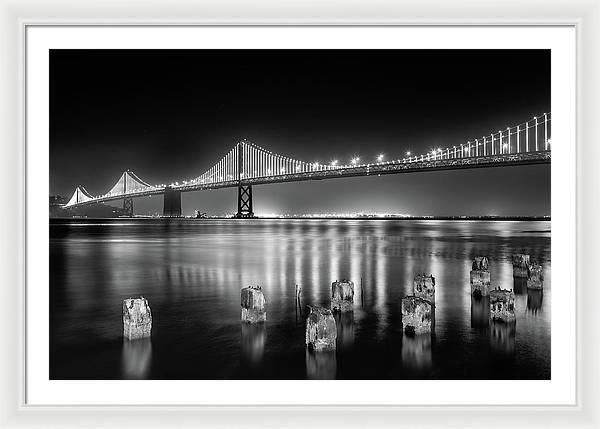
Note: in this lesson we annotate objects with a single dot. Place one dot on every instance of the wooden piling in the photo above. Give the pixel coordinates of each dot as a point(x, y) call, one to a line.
point(137, 318)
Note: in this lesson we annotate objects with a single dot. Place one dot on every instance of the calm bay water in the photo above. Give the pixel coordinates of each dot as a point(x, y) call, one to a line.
point(191, 272)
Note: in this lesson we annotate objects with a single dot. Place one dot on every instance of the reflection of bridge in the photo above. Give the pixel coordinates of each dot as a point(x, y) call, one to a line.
point(248, 164)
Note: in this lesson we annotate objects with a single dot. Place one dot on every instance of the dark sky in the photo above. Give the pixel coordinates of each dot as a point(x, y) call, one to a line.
point(170, 115)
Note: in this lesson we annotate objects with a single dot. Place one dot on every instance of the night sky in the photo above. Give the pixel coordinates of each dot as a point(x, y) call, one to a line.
point(170, 115)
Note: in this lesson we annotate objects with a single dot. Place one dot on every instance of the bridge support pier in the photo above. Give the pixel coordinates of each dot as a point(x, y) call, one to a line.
point(128, 206)
point(172, 202)
point(244, 202)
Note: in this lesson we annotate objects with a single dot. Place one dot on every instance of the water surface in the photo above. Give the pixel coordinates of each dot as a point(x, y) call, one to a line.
point(191, 271)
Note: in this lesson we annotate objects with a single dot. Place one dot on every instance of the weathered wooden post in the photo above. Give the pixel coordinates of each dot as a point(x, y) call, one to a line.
point(502, 305)
point(321, 330)
point(253, 305)
point(480, 276)
point(520, 263)
point(342, 295)
point(417, 315)
point(137, 318)
point(535, 277)
point(424, 287)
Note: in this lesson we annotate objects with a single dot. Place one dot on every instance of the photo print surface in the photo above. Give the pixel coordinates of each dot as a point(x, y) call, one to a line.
point(300, 214)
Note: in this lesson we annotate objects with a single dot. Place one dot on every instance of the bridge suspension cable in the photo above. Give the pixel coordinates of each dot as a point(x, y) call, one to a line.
point(128, 183)
point(81, 195)
point(249, 161)
point(533, 135)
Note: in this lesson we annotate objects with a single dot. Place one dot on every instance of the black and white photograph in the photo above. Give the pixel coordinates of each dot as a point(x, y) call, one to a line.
point(300, 214)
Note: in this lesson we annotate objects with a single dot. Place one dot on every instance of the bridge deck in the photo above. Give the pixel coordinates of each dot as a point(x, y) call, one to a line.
point(393, 167)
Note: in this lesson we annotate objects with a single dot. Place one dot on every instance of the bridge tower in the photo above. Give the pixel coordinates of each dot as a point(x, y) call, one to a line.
point(128, 206)
point(127, 202)
point(244, 202)
point(171, 202)
point(244, 191)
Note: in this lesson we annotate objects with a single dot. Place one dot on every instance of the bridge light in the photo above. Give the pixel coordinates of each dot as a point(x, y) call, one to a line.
point(505, 145)
point(380, 157)
point(282, 170)
point(439, 150)
point(355, 160)
point(408, 153)
point(334, 163)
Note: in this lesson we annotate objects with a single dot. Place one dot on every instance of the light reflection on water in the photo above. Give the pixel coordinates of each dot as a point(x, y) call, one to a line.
point(136, 359)
point(416, 353)
point(192, 271)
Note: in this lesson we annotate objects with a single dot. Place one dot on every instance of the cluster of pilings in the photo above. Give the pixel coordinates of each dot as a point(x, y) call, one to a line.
point(418, 309)
point(489, 306)
point(321, 325)
point(321, 329)
point(493, 308)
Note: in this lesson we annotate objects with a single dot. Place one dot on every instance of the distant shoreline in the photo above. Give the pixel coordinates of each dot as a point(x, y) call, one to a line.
point(502, 218)
point(395, 218)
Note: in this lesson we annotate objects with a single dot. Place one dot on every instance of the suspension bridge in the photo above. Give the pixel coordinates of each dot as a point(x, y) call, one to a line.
point(248, 164)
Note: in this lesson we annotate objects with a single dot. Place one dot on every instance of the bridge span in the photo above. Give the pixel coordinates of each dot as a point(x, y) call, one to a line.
point(248, 164)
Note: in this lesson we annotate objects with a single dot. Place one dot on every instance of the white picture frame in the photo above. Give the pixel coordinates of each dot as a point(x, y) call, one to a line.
point(583, 16)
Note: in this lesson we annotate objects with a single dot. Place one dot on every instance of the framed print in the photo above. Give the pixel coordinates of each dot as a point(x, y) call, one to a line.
point(361, 220)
